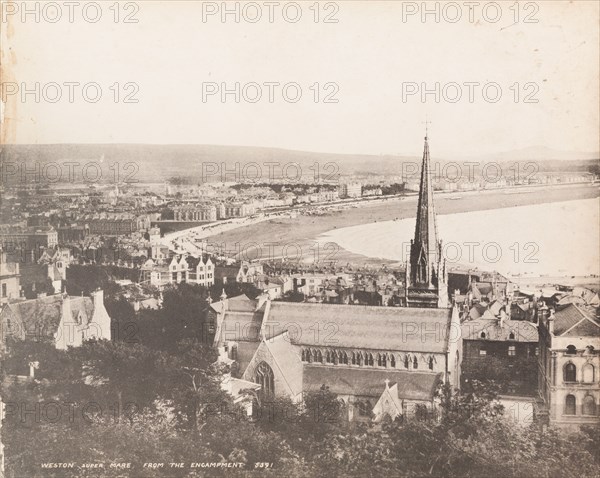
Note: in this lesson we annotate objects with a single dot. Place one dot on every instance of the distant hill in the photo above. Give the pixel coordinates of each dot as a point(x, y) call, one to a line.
point(159, 162)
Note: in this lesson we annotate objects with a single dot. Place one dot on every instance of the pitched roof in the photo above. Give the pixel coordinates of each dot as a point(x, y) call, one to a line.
point(573, 320)
point(288, 360)
point(370, 382)
point(43, 315)
point(523, 331)
point(356, 326)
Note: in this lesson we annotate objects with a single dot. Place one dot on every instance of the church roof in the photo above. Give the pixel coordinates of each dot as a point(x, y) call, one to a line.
point(241, 322)
point(370, 382)
point(288, 360)
point(365, 327)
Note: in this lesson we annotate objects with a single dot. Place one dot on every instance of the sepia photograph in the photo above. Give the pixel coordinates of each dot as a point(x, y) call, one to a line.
point(305, 239)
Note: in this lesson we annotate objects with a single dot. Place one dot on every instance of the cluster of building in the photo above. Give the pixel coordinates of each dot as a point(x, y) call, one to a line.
point(202, 212)
point(388, 361)
point(383, 341)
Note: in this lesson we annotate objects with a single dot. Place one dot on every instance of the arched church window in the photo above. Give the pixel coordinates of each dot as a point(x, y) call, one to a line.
point(392, 361)
point(359, 358)
point(304, 355)
point(511, 336)
point(589, 405)
point(588, 373)
point(383, 360)
point(309, 356)
point(430, 364)
point(482, 335)
point(334, 358)
point(266, 379)
point(570, 372)
point(570, 405)
point(406, 361)
point(344, 359)
point(379, 359)
point(571, 350)
point(319, 356)
point(415, 362)
point(353, 358)
point(369, 360)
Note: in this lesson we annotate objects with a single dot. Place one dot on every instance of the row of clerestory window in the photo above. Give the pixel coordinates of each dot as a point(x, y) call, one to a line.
point(365, 359)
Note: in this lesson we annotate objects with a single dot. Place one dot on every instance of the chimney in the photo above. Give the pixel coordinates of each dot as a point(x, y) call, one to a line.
point(551, 322)
point(224, 302)
point(32, 367)
point(98, 297)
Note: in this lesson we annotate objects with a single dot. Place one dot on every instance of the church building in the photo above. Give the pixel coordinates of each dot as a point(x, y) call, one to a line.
point(382, 361)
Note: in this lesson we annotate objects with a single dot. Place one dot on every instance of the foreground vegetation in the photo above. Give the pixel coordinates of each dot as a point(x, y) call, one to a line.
point(157, 398)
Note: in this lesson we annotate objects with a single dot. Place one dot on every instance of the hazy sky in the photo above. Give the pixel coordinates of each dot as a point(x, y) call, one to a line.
point(370, 56)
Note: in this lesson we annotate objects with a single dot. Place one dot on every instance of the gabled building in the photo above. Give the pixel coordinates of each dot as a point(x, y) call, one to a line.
point(64, 320)
point(569, 365)
point(201, 270)
point(494, 340)
point(294, 348)
point(178, 269)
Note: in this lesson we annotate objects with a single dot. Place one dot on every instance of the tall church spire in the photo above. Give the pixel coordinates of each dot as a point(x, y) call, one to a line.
point(424, 253)
point(426, 274)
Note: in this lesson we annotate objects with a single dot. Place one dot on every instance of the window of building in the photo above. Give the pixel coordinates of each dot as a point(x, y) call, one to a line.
point(512, 350)
point(571, 350)
point(482, 335)
point(392, 361)
point(415, 363)
point(265, 378)
point(364, 408)
point(4, 290)
point(511, 336)
point(369, 360)
point(406, 361)
point(589, 405)
point(570, 405)
point(482, 351)
point(430, 364)
point(344, 358)
point(588, 373)
point(319, 357)
point(570, 372)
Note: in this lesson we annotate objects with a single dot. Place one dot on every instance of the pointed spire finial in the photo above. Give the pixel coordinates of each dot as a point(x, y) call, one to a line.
point(427, 123)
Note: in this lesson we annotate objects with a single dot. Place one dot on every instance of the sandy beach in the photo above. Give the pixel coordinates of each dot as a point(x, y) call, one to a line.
point(300, 233)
